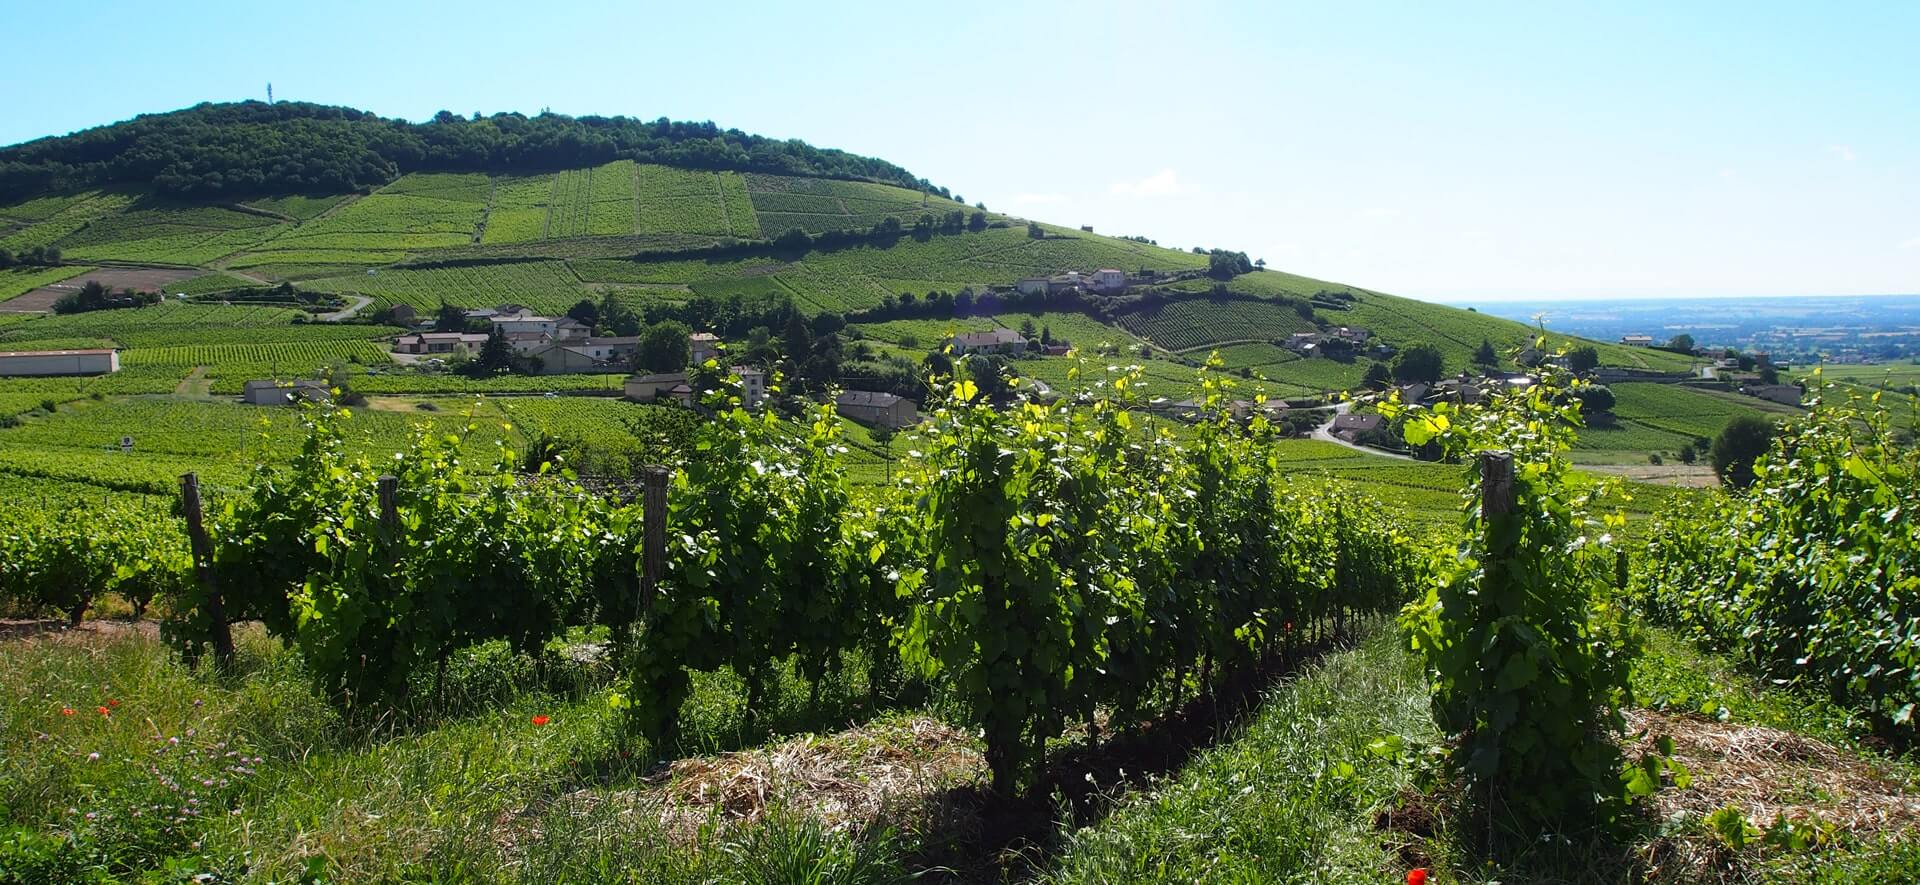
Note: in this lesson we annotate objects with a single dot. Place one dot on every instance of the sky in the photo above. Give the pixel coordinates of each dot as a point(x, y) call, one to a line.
point(1462, 151)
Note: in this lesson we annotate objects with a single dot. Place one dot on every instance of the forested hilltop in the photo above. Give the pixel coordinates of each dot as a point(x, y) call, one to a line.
point(251, 147)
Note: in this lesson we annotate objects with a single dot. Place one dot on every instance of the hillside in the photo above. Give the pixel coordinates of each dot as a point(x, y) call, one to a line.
point(671, 221)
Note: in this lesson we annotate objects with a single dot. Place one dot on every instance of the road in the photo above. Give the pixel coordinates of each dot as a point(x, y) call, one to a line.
point(1324, 433)
point(360, 303)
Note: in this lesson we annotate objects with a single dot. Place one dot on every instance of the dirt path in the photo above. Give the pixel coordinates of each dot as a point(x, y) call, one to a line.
point(360, 303)
point(195, 384)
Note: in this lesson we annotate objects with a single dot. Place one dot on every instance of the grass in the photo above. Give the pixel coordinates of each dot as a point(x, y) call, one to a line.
point(17, 281)
point(254, 777)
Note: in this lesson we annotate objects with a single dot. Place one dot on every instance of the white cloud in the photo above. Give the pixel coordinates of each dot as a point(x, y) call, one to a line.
point(1911, 245)
point(1038, 199)
point(1842, 151)
point(1164, 183)
point(1380, 212)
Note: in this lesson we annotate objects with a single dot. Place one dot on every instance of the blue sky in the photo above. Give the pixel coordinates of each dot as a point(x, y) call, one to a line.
point(1447, 151)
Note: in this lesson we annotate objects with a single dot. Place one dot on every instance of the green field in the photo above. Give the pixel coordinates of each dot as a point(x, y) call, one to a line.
point(1197, 324)
point(17, 281)
point(548, 286)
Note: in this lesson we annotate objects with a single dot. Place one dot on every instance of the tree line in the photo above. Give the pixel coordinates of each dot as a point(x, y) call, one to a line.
point(250, 147)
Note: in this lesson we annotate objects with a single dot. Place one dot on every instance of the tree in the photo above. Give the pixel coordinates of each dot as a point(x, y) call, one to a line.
point(797, 339)
point(1687, 454)
point(1484, 355)
point(1769, 374)
point(449, 319)
point(6, 258)
point(977, 222)
point(1681, 343)
point(1583, 359)
point(793, 238)
point(1421, 362)
point(1225, 265)
point(663, 347)
point(1026, 328)
point(1046, 335)
point(1744, 440)
point(1378, 376)
point(585, 312)
point(1595, 398)
point(618, 318)
point(1035, 231)
point(495, 356)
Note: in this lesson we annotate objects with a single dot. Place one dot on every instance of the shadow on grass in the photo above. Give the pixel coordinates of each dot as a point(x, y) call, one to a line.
point(1017, 838)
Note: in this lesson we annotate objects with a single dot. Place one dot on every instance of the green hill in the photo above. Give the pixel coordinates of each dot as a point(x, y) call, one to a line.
point(686, 221)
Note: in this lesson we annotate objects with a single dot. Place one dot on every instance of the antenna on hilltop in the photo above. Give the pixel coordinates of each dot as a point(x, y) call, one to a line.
point(269, 93)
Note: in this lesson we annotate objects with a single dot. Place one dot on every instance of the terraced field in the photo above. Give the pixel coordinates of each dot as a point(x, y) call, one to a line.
point(419, 211)
point(547, 286)
point(1197, 324)
point(17, 281)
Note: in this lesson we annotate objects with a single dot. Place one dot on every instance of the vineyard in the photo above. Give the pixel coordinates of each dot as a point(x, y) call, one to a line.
point(547, 286)
point(1190, 325)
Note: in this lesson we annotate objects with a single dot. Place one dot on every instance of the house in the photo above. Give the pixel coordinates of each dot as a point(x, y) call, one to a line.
point(1108, 279)
point(570, 329)
point(1056, 349)
point(585, 355)
point(659, 387)
point(1031, 285)
point(1066, 282)
point(1415, 393)
point(502, 310)
point(753, 385)
point(91, 361)
point(439, 342)
point(528, 343)
point(1637, 340)
point(1352, 427)
point(1353, 334)
point(1303, 342)
point(1785, 394)
point(882, 409)
point(525, 323)
point(281, 393)
point(999, 340)
point(703, 346)
point(404, 314)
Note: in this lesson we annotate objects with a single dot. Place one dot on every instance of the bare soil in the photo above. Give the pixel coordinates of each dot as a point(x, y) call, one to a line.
point(141, 279)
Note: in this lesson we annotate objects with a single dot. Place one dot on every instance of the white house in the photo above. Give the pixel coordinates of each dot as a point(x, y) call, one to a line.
point(584, 355)
point(660, 386)
point(753, 385)
point(999, 340)
point(1108, 279)
point(525, 323)
point(1031, 285)
point(92, 361)
point(1637, 340)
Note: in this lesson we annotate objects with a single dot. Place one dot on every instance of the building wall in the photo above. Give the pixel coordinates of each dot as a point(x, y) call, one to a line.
point(60, 364)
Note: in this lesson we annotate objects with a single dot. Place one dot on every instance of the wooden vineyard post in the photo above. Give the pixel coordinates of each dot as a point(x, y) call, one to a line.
point(1620, 575)
point(388, 486)
point(216, 609)
point(1496, 484)
point(653, 543)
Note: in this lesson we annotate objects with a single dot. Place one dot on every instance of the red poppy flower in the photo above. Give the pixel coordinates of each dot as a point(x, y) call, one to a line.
point(112, 703)
point(1417, 876)
point(66, 711)
point(103, 711)
point(541, 719)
